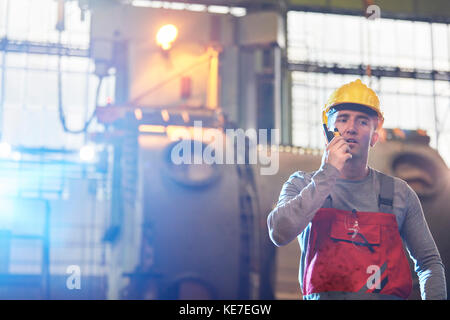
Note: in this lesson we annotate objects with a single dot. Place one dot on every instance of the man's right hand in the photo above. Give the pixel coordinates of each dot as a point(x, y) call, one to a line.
point(337, 153)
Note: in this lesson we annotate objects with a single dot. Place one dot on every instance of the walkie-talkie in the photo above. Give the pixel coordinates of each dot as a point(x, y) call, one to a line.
point(330, 134)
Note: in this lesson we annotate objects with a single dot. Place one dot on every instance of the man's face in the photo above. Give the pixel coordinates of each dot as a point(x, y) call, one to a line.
point(358, 128)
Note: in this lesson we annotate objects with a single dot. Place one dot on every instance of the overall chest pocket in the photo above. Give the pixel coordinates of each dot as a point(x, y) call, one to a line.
point(362, 235)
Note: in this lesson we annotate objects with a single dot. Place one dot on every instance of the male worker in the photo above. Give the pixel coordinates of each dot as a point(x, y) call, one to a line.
point(350, 219)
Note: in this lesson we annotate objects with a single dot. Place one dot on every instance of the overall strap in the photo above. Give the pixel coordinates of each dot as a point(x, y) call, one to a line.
point(386, 196)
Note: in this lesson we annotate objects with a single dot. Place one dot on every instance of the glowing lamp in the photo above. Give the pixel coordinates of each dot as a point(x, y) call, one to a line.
point(166, 36)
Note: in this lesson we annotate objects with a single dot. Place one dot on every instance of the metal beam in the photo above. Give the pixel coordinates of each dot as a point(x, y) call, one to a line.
point(414, 10)
point(360, 70)
point(8, 45)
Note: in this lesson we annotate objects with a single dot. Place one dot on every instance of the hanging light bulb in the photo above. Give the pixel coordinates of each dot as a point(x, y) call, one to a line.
point(166, 35)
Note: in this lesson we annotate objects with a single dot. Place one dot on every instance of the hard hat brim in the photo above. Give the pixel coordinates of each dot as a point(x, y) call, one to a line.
point(355, 107)
point(369, 110)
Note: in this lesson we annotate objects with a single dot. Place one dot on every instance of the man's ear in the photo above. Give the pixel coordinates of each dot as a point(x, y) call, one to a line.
point(374, 138)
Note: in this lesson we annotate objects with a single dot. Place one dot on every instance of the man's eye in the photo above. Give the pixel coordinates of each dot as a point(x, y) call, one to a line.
point(341, 120)
point(364, 122)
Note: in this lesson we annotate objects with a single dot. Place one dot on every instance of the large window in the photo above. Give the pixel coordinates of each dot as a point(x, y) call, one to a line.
point(49, 197)
point(29, 80)
point(339, 44)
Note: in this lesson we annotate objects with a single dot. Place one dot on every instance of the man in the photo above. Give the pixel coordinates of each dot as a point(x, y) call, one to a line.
point(351, 220)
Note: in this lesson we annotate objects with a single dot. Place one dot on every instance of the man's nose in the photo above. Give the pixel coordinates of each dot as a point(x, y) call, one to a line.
point(350, 126)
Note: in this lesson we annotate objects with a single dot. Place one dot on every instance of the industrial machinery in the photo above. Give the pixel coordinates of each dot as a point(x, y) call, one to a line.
point(187, 230)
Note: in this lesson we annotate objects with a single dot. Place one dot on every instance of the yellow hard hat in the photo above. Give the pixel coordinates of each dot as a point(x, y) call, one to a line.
point(357, 94)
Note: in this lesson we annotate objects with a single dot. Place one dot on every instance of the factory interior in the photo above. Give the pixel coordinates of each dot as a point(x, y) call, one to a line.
point(133, 183)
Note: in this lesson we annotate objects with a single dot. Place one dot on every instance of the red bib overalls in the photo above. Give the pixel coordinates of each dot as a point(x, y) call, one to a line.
point(359, 252)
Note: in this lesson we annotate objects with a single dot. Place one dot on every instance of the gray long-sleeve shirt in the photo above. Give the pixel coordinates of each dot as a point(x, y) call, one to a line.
point(304, 194)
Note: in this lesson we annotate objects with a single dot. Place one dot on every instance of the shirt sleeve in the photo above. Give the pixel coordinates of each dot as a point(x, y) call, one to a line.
point(299, 200)
point(422, 250)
